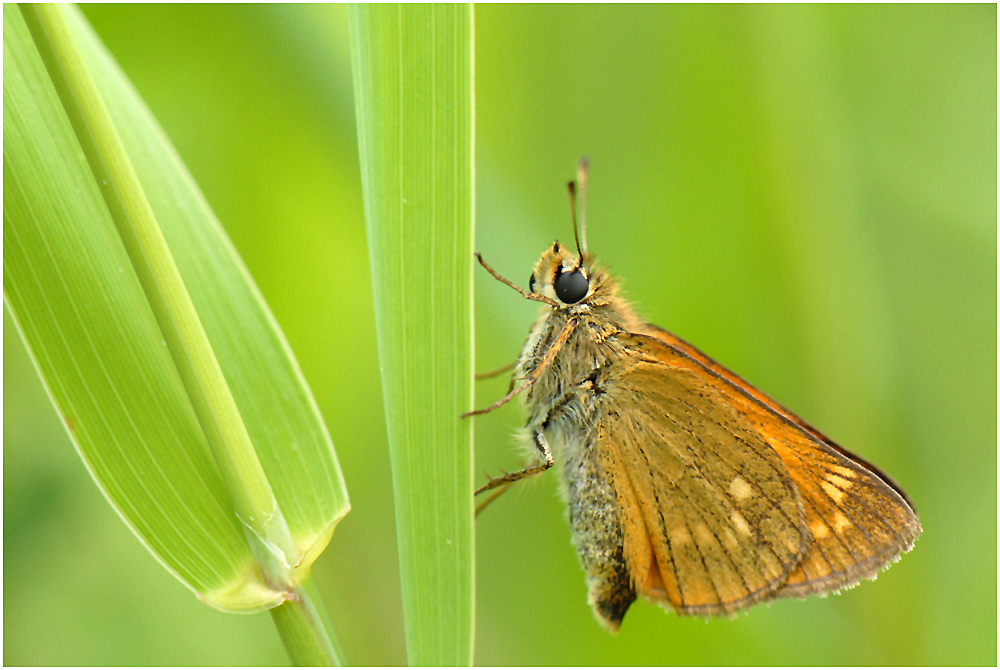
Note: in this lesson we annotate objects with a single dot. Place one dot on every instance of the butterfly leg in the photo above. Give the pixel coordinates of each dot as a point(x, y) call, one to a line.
point(511, 477)
point(490, 498)
point(494, 373)
point(501, 402)
point(550, 355)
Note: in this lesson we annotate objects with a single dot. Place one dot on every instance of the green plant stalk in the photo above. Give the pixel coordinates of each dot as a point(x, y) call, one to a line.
point(305, 627)
point(253, 499)
point(413, 78)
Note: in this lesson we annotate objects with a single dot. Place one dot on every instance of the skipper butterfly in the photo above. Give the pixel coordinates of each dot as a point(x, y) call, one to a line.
point(686, 485)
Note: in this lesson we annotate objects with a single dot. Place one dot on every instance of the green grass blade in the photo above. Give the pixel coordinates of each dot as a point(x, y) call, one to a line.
point(69, 283)
point(164, 288)
point(90, 331)
point(277, 408)
point(414, 96)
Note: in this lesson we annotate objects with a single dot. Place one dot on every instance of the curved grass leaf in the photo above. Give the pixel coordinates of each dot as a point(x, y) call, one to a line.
point(77, 300)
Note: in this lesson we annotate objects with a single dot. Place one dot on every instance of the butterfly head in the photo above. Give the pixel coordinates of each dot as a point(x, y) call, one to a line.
point(566, 276)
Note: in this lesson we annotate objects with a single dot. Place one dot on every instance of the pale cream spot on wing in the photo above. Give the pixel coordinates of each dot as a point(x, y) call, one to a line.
point(740, 489)
point(703, 534)
point(819, 530)
point(832, 491)
point(846, 472)
point(840, 522)
point(741, 524)
point(839, 482)
point(771, 567)
point(679, 536)
point(729, 539)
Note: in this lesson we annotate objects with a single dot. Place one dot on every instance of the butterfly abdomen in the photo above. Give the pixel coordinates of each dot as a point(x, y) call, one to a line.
point(595, 522)
point(566, 403)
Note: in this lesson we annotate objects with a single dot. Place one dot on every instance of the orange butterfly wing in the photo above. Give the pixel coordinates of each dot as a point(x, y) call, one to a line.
point(727, 498)
point(672, 340)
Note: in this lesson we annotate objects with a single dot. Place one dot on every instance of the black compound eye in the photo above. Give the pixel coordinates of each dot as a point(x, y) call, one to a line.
point(531, 283)
point(571, 287)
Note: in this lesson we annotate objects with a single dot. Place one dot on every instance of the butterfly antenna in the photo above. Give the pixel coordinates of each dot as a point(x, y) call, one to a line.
point(571, 187)
point(581, 180)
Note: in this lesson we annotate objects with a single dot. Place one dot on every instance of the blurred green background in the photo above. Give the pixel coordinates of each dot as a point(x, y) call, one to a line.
point(806, 193)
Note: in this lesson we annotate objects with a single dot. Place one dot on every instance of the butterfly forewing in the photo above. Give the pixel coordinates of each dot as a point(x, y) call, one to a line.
point(720, 370)
point(723, 518)
point(855, 523)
